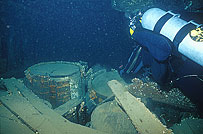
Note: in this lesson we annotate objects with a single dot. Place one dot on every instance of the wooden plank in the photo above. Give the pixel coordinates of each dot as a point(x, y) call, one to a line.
point(30, 116)
point(63, 109)
point(189, 126)
point(144, 121)
point(36, 114)
point(10, 124)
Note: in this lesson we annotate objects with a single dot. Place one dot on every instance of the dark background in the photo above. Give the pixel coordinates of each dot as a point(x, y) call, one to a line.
point(69, 30)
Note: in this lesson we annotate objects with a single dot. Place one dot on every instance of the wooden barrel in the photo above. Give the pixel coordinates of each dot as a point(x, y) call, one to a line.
point(110, 118)
point(56, 82)
point(97, 85)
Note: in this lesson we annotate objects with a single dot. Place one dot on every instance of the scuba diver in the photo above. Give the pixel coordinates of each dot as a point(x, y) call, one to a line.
point(152, 50)
point(171, 47)
point(157, 51)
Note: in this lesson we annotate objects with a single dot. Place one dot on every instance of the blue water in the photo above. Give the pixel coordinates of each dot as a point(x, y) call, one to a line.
point(70, 30)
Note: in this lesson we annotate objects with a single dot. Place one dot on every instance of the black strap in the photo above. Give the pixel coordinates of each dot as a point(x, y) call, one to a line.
point(182, 33)
point(160, 23)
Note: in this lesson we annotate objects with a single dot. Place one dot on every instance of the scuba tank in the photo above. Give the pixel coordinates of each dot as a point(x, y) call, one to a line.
point(186, 36)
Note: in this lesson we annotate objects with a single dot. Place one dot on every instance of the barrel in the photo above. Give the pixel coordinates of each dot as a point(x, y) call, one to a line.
point(97, 84)
point(57, 82)
point(110, 118)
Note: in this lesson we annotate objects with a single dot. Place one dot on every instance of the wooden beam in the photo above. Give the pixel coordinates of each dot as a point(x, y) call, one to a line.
point(37, 116)
point(66, 107)
point(144, 121)
point(10, 124)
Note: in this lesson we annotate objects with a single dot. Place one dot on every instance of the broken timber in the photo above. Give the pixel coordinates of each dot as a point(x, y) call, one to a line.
point(66, 107)
point(144, 121)
point(32, 113)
